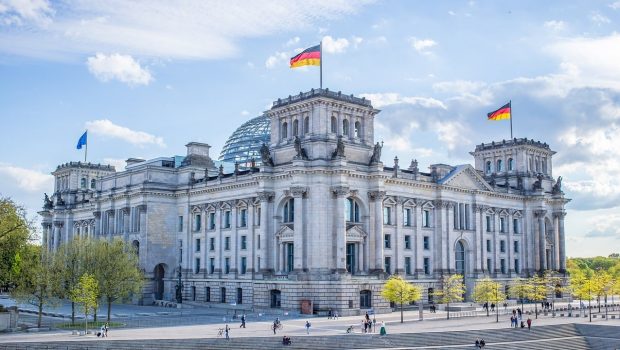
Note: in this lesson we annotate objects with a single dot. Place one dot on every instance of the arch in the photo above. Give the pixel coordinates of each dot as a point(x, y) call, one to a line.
point(295, 127)
point(345, 127)
point(306, 125)
point(284, 130)
point(83, 183)
point(511, 164)
point(334, 125)
point(500, 165)
point(275, 297)
point(365, 299)
point(159, 273)
point(488, 167)
point(459, 258)
point(358, 129)
point(352, 210)
point(92, 184)
point(288, 210)
point(136, 247)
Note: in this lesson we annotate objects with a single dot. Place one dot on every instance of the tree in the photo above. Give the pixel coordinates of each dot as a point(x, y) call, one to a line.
point(85, 294)
point(520, 288)
point(578, 285)
point(538, 291)
point(452, 290)
point(397, 290)
point(38, 280)
point(72, 260)
point(117, 271)
point(487, 291)
point(15, 232)
point(553, 285)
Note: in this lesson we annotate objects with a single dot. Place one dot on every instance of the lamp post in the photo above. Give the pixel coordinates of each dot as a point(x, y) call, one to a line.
point(179, 286)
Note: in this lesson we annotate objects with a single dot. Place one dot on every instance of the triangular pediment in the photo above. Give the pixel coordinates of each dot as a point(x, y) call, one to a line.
point(466, 177)
point(285, 233)
point(355, 233)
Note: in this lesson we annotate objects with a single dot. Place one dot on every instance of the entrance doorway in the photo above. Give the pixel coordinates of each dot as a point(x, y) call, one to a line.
point(351, 254)
point(158, 286)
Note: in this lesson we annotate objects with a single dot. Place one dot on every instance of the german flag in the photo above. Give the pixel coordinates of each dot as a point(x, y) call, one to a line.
point(500, 114)
point(308, 57)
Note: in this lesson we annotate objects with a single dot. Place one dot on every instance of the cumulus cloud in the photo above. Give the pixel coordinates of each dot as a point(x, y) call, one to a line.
point(335, 45)
point(277, 59)
point(599, 18)
point(293, 41)
point(422, 45)
point(118, 67)
point(391, 98)
point(555, 25)
point(615, 5)
point(106, 128)
point(27, 179)
point(19, 13)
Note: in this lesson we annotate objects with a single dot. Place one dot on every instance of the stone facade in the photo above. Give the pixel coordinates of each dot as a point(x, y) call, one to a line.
point(321, 219)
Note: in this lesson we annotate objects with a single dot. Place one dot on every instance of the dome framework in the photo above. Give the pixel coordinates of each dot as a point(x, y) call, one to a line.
point(244, 144)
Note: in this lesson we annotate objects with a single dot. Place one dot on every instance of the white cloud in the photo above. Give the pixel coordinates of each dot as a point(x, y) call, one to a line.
point(555, 25)
point(118, 67)
point(452, 13)
point(615, 5)
point(105, 127)
point(169, 28)
point(332, 45)
point(451, 133)
point(245, 113)
point(21, 12)
point(356, 41)
point(293, 41)
point(599, 18)
point(118, 164)
point(277, 59)
point(391, 98)
point(27, 179)
point(422, 45)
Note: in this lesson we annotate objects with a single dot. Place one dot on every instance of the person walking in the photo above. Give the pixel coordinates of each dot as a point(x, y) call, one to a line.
point(307, 327)
point(382, 331)
point(329, 314)
point(529, 324)
point(107, 326)
point(242, 321)
point(226, 331)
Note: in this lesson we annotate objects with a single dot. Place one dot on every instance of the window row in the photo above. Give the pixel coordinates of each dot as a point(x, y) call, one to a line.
point(226, 220)
point(503, 224)
point(388, 218)
point(502, 266)
point(84, 183)
point(387, 265)
point(502, 246)
point(208, 298)
point(499, 166)
point(243, 265)
point(284, 132)
point(243, 243)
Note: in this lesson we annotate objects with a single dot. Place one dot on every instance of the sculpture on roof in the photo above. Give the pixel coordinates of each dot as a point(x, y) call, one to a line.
point(557, 188)
point(301, 153)
point(47, 202)
point(265, 156)
point(339, 151)
point(376, 154)
point(538, 183)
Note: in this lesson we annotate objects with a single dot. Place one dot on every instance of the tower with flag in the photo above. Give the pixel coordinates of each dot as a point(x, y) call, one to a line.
point(83, 141)
point(312, 56)
point(503, 112)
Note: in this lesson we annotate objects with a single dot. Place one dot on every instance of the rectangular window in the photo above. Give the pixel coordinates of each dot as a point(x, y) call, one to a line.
point(502, 225)
point(211, 221)
point(426, 218)
point(212, 265)
point(212, 244)
point(197, 244)
point(387, 241)
point(244, 265)
point(223, 294)
point(197, 222)
point(227, 243)
point(516, 246)
point(502, 246)
point(427, 243)
point(227, 266)
point(489, 265)
point(258, 242)
point(407, 217)
point(208, 294)
point(489, 229)
point(258, 213)
point(197, 265)
point(387, 215)
point(427, 266)
point(502, 264)
point(239, 296)
point(243, 218)
point(227, 219)
point(258, 264)
point(515, 225)
point(407, 242)
point(244, 242)
point(467, 224)
point(388, 265)
point(488, 245)
point(517, 268)
point(408, 265)
point(180, 225)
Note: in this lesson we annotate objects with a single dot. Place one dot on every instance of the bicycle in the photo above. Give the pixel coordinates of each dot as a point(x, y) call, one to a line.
point(278, 327)
point(220, 332)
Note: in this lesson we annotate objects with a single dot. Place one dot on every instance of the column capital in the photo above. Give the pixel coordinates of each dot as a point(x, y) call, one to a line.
point(265, 196)
point(560, 215)
point(440, 203)
point(339, 191)
point(376, 195)
point(298, 191)
point(540, 213)
point(97, 214)
point(479, 207)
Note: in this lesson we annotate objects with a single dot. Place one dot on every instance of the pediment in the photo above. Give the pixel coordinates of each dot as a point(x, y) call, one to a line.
point(356, 234)
point(466, 177)
point(285, 233)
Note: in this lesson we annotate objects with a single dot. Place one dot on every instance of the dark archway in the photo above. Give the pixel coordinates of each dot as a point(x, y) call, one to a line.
point(276, 298)
point(158, 285)
point(136, 247)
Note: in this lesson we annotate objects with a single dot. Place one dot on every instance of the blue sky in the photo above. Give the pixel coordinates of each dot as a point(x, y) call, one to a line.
point(147, 77)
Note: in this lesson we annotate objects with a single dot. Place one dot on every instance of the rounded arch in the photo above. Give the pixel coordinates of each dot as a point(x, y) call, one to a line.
point(286, 203)
point(83, 182)
point(136, 247)
point(358, 129)
point(500, 165)
point(284, 130)
point(306, 125)
point(295, 127)
point(334, 125)
point(460, 257)
point(352, 210)
point(488, 167)
point(159, 273)
point(511, 164)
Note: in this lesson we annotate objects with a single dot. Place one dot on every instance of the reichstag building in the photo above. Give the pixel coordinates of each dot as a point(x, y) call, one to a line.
point(309, 215)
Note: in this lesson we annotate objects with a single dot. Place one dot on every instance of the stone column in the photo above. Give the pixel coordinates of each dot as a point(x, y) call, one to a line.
point(510, 246)
point(418, 239)
point(562, 241)
point(340, 227)
point(234, 238)
point(479, 244)
point(266, 237)
point(542, 242)
point(299, 238)
point(251, 239)
point(399, 241)
point(377, 198)
point(360, 256)
point(220, 241)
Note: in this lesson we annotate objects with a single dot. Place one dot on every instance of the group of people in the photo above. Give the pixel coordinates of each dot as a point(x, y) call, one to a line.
point(480, 343)
point(546, 305)
point(367, 324)
point(332, 314)
point(433, 309)
point(103, 332)
point(486, 306)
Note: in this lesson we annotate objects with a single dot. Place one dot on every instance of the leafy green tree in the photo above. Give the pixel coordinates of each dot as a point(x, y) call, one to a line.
point(85, 294)
point(487, 291)
point(520, 288)
point(72, 260)
point(397, 290)
point(15, 232)
point(38, 280)
point(538, 291)
point(453, 289)
point(117, 271)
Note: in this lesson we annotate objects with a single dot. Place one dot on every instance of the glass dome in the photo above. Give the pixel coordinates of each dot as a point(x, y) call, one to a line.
point(244, 144)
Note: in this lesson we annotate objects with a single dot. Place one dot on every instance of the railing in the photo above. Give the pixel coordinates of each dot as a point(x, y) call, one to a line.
point(321, 92)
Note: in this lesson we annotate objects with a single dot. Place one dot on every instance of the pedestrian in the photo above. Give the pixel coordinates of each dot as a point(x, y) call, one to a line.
point(307, 327)
point(242, 321)
point(102, 331)
point(226, 330)
point(529, 324)
point(329, 314)
point(365, 326)
point(367, 317)
point(382, 331)
point(505, 306)
point(492, 306)
point(107, 326)
point(519, 312)
point(482, 343)
point(336, 315)
point(512, 321)
point(477, 343)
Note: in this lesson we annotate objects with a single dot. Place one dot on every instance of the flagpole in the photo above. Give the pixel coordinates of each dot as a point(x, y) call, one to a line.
point(86, 149)
point(511, 114)
point(321, 64)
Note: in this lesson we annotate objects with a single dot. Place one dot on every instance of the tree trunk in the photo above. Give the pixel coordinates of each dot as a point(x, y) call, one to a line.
point(448, 309)
point(110, 307)
point(487, 308)
point(401, 311)
point(72, 313)
point(95, 313)
point(40, 312)
point(536, 309)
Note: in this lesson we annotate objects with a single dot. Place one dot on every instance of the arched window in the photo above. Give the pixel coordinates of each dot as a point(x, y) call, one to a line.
point(92, 184)
point(334, 125)
point(345, 127)
point(295, 127)
point(136, 247)
point(352, 210)
point(544, 166)
point(83, 182)
point(357, 130)
point(500, 165)
point(288, 214)
point(488, 168)
point(306, 125)
point(511, 164)
point(460, 258)
point(284, 130)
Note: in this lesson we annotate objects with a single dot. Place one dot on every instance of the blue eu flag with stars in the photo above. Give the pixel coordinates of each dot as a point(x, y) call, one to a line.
point(82, 140)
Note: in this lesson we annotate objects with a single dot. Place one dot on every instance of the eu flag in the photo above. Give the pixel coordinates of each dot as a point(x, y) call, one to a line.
point(82, 140)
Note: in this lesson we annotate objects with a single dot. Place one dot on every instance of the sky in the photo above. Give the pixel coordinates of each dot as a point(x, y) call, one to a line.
point(147, 77)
